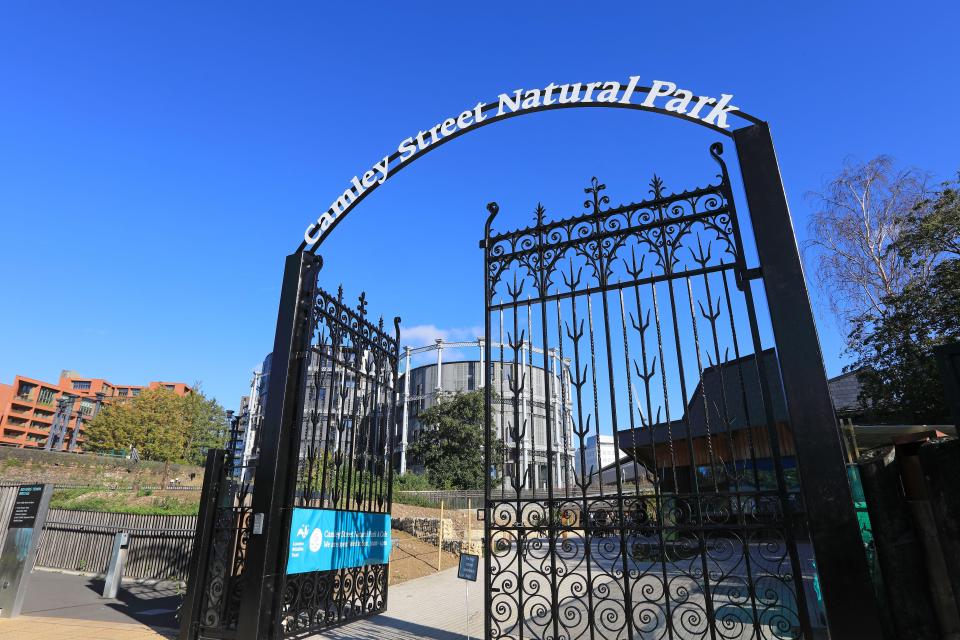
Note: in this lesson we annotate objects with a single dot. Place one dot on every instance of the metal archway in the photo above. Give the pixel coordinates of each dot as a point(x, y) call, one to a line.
point(494, 106)
point(833, 528)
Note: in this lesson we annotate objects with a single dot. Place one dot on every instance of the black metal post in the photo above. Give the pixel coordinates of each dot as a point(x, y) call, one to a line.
point(193, 599)
point(841, 562)
point(271, 506)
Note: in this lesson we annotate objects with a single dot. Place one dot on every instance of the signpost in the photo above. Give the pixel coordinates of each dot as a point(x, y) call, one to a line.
point(20, 547)
point(468, 567)
point(467, 572)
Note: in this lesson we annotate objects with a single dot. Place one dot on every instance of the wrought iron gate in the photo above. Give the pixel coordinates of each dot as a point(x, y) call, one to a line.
point(344, 447)
point(326, 443)
point(217, 572)
point(699, 532)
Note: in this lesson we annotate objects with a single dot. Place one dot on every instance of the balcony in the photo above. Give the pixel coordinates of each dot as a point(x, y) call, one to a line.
point(27, 397)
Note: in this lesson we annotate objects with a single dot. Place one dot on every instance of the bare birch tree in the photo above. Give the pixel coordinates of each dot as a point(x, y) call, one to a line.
point(853, 235)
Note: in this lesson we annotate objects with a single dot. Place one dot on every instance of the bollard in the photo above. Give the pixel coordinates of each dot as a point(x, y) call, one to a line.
point(115, 569)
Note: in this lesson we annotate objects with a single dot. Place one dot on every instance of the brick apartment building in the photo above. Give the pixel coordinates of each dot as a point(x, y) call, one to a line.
point(28, 406)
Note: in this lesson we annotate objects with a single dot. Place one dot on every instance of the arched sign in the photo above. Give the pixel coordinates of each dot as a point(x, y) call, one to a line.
point(661, 97)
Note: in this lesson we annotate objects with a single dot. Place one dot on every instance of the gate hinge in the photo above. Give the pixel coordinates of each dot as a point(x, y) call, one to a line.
point(743, 276)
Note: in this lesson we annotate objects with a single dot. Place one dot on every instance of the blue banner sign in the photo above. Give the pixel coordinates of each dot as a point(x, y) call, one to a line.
point(324, 540)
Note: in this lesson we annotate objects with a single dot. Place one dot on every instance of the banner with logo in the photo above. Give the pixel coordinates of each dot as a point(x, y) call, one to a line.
point(324, 540)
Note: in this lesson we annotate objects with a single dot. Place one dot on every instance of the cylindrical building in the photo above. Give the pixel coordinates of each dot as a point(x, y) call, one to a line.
point(454, 367)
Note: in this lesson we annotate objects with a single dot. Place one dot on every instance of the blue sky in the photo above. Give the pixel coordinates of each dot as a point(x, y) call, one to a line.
point(158, 161)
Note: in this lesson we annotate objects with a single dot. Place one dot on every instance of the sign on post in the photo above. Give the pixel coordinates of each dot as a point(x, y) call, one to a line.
point(20, 547)
point(468, 567)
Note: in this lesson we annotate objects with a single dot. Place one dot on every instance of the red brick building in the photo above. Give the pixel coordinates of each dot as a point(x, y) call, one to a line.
point(28, 406)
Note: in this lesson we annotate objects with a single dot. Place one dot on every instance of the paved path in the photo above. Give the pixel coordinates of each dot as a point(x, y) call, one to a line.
point(60, 606)
point(34, 628)
point(63, 606)
point(430, 607)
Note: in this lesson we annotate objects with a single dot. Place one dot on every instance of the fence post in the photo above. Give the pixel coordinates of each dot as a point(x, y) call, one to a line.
point(440, 537)
point(197, 570)
point(898, 549)
point(277, 465)
point(852, 611)
point(940, 460)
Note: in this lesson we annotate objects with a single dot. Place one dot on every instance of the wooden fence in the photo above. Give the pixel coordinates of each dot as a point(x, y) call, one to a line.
point(159, 546)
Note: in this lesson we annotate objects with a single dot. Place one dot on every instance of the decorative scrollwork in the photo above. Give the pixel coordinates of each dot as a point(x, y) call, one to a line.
point(661, 225)
point(689, 547)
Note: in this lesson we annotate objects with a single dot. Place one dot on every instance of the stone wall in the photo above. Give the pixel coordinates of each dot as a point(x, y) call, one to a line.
point(426, 529)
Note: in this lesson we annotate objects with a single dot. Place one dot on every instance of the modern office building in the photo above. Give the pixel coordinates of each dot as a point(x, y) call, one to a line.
point(245, 443)
point(30, 408)
point(422, 386)
point(598, 453)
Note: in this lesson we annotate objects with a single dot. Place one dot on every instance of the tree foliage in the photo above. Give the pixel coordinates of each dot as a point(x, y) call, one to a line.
point(161, 425)
point(854, 231)
point(450, 445)
point(894, 344)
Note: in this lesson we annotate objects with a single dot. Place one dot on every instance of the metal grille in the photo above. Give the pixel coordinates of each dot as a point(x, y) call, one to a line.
point(694, 532)
point(344, 444)
point(226, 554)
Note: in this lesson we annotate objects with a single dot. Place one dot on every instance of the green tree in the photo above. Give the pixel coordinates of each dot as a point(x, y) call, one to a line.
point(450, 445)
point(206, 426)
point(894, 349)
point(161, 425)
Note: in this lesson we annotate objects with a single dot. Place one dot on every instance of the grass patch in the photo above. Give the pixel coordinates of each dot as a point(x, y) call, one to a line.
point(93, 499)
point(415, 501)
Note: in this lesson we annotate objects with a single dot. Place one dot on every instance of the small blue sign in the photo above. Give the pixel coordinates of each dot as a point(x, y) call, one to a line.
point(469, 564)
point(324, 540)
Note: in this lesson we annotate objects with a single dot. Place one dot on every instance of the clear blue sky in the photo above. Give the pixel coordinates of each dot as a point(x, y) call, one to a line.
point(158, 160)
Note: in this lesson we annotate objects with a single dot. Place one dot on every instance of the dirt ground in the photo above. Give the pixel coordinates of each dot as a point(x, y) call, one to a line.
point(412, 558)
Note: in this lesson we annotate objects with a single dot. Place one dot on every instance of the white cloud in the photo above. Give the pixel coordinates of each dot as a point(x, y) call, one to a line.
point(424, 334)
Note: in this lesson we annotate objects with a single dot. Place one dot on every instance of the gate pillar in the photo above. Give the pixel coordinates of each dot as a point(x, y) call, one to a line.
point(841, 561)
point(278, 459)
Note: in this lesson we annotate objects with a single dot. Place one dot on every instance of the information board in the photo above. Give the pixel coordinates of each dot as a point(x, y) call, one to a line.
point(468, 567)
point(25, 507)
point(324, 540)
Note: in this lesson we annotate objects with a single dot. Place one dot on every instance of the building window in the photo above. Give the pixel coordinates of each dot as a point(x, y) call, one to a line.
point(170, 387)
point(26, 390)
point(86, 406)
point(46, 396)
point(81, 385)
point(134, 392)
point(123, 392)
